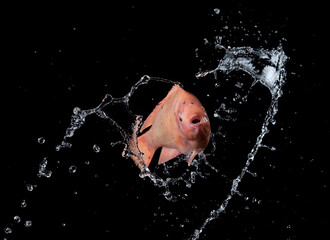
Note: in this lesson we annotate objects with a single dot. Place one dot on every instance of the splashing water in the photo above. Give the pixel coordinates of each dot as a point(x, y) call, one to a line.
point(272, 76)
point(266, 67)
point(130, 139)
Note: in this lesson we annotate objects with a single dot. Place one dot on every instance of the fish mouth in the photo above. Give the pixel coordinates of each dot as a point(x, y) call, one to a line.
point(195, 119)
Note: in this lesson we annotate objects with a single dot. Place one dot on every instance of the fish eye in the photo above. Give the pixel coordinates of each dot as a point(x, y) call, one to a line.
point(180, 119)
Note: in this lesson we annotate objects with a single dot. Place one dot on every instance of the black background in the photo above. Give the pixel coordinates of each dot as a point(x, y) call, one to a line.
point(57, 57)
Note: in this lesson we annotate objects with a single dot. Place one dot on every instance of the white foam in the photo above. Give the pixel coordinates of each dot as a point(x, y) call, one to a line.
point(269, 76)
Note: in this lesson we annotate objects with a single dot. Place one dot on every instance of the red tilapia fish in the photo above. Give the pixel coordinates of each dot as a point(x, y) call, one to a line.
point(179, 124)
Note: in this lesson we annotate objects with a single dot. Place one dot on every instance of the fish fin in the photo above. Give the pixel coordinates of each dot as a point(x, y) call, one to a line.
point(192, 156)
point(151, 118)
point(168, 154)
point(145, 148)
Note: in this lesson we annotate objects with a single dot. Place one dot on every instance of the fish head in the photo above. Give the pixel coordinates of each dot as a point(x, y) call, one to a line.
point(193, 122)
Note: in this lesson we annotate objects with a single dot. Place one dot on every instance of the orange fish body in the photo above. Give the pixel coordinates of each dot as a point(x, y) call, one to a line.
point(179, 124)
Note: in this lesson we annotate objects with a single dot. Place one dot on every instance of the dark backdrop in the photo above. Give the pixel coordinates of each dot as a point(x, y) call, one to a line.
point(57, 57)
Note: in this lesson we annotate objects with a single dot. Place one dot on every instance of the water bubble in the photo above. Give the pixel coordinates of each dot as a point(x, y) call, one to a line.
point(73, 169)
point(17, 219)
point(7, 230)
point(28, 223)
point(96, 148)
point(41, 140)
point(217, 85)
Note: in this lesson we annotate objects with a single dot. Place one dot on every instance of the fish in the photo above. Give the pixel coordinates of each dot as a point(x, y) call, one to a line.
point(178, 124)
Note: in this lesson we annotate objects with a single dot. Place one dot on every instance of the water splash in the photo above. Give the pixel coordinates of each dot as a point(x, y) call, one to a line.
point(269, 71)
point(129, 138)
point(266, 67)
point(43, 172)
point(273, 76)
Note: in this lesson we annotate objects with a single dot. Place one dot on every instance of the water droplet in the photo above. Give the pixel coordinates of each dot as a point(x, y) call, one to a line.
point(96, 148)
point(7, 230)
point(73, 169)
point(216, 10)
point(23, 204)
point(239, 85)
point(29, 187)
point(250, 156)
point(41, 140)
point(168, 195)
point(28, 223)
point(17, 219)
point(214, 214)
point(217, 85)
point(76, 111)
point(43, 172)
point(64, 144)
point(206, 42)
